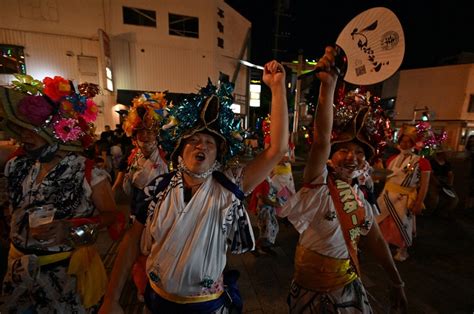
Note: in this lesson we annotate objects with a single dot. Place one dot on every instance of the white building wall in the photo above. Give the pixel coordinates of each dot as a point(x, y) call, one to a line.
point(54, 33)
point(123, 65)
point(469, 91)
point(151, 59)
point(204, 10)
point(176, 70)
point(235, 32)
point(442, 89)
point(446, 91)
point(80, 18)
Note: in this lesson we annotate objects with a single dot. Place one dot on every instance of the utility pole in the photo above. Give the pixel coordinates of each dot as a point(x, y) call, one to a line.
point(296, 114)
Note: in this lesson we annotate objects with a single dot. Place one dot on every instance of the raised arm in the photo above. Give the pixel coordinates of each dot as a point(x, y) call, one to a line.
point(260, 167)
point(321, 146)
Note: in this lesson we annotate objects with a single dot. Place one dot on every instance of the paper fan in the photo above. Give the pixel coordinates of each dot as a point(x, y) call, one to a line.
point(374, 45)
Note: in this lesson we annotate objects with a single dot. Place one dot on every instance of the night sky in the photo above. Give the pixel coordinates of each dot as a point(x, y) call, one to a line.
point(433, 31)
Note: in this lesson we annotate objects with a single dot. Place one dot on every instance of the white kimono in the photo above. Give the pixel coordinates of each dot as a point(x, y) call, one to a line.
point(187, 242)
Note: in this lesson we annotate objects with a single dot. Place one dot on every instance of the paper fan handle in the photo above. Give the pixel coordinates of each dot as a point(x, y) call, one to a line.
point(340, 65)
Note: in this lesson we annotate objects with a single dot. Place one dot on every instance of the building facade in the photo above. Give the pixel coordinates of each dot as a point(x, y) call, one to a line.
point(143, 45)
point(445, 93)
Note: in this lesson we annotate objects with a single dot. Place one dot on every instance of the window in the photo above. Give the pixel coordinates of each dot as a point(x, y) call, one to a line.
point(185, 26)
point(220, 42)
point(140, 17)
point(220, 12)
point(471, 104)
point(12, 60)
point(110, 82)
point(220, 26)
point(88, 69)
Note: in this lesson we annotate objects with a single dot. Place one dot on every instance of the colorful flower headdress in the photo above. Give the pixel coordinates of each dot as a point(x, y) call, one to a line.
point(52, 108)
point(357, 118)
point(148, 112)
point(427, 140)
point(209, 111)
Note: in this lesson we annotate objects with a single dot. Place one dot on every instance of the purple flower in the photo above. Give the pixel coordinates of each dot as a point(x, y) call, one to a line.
point(35, 109)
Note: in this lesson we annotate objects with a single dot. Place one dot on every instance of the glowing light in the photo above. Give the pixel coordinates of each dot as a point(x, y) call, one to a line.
point(110, 85)
point(254, 102)
point(251, 65)
point(236, 108)
point(110, 82)
point(255, 90)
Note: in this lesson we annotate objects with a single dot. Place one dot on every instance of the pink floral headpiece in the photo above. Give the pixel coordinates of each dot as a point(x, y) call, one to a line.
point(54, 107)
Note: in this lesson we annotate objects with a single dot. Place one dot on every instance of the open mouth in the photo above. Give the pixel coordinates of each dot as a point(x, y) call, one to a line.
point(350, 166)
point(200, 156)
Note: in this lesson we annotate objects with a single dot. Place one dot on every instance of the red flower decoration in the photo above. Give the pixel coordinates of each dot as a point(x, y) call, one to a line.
point(90, 114)
point(35, 109)
point(56, 88)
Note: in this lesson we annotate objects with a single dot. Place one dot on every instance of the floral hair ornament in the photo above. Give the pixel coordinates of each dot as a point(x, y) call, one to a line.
point(207, 111)
point(148, 112)
point(429, 141)
point(51, 108)
point(410, 131)
point(357, 118)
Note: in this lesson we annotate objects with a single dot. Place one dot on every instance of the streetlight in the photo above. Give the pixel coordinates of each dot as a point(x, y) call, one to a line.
point(251, 65)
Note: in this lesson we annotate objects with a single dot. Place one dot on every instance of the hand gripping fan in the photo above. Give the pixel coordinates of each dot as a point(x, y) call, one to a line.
point(370, 48)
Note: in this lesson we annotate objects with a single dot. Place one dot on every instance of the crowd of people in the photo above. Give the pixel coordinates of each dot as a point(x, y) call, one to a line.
point(188, 196)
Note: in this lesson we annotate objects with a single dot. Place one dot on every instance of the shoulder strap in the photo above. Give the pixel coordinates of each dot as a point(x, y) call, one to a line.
point(88, 170)
point(163, 184)
point(229, 185)
point(350, 215)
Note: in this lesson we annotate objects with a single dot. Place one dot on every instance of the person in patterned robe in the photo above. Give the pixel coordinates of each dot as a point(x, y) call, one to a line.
point(51, 267)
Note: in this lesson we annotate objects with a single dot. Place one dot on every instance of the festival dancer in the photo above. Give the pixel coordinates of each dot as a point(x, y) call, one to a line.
point(332, 216)
point(58, 199)
point(193, 215)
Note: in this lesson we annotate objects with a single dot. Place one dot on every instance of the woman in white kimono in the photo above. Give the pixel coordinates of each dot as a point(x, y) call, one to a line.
point(403, 193)
point(196, 214)
point(332, 216)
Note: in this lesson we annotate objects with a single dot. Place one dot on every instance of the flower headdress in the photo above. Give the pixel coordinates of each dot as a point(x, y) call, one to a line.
point(148, 112)
point(427, 140)
point(356, 118)
point(409, 131)
point(209, 111)
point(52, 108)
